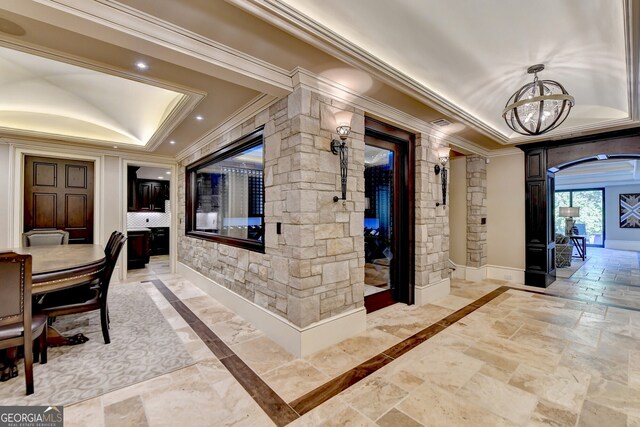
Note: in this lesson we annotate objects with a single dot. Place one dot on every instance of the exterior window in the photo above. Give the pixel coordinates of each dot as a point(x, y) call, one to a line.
point(225, 194)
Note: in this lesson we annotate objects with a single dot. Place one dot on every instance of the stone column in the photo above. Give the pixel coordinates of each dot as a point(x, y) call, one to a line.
point(476, 211)
point(326, 268)
point(431, 225)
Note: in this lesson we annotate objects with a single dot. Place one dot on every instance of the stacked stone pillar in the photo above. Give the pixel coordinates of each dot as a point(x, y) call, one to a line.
point(476, 211)
point(431, 224)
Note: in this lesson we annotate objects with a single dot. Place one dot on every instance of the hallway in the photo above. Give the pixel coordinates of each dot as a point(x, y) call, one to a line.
point(487, 354)
point(608, 276)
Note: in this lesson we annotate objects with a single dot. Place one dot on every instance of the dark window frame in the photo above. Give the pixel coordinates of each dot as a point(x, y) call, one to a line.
point(604, 209)
point(243, 143)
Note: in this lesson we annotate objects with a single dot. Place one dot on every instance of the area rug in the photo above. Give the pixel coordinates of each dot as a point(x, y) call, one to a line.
point(566, 272)
point(143, 346)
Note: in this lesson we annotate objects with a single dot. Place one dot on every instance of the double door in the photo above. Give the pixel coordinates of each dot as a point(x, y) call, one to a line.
point(58, 194)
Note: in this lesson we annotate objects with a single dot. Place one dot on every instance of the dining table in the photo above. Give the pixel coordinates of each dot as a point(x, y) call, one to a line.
point(59, 267)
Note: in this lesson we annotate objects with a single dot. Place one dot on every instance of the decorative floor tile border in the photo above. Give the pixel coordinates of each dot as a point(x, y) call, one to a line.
point(281, 412)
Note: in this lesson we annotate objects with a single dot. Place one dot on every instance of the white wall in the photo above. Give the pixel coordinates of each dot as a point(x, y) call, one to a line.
point(5, 195)
point(616, 237)
point(458, 210)
point(111, 197)
point(109, 188)
point(506, 212)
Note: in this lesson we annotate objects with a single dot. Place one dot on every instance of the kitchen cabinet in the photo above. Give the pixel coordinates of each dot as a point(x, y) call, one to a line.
point(138, 247)
point(159, 241)
point(147, 195)
point(151, 196)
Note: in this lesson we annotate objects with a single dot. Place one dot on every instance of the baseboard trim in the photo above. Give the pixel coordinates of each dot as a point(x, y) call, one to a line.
point(472, 274)
point(428, 294)
point(475, 274)
point(510, 274)
point(623, 245)
point(300, 342)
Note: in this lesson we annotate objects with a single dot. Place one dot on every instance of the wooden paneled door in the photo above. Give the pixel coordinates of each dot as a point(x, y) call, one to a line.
point(58, 194)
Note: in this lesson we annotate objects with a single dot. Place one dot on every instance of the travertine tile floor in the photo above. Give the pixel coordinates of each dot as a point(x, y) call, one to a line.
point(522, 359)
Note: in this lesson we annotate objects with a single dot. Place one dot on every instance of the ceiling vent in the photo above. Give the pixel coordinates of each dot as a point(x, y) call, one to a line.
point(441, 122)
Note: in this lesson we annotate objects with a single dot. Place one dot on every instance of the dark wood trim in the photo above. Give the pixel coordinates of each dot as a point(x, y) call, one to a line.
point(379, 300)
point(250, 140)
point(405, 142)
point(542, 161)
point(251, 245)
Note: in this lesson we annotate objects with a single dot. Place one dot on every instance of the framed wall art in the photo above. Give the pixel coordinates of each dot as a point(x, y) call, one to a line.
point(630, 210)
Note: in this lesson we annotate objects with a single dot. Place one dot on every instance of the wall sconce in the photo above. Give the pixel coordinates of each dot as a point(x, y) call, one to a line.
point(340, 148)
point(443, 154)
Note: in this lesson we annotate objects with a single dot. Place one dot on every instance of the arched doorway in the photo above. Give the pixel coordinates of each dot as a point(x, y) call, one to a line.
point(542, 161)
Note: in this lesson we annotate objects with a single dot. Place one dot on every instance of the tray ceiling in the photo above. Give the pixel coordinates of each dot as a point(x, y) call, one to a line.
point(474, 55)
point(44, 97)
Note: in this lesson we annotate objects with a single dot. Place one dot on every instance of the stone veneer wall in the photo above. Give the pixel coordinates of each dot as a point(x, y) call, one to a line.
point(476, 211)
point(314, 269)
point(431, 221)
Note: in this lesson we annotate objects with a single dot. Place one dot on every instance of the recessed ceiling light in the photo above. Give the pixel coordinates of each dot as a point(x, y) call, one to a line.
point(161, 177)
point(199, 117)
point(168, 172)
point(141, 65)
point(172, 142)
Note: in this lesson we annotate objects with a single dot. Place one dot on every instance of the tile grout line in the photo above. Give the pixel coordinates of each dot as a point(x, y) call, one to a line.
point(326, 391)
point(271, 403)
point(572, 298)
point(309, 401)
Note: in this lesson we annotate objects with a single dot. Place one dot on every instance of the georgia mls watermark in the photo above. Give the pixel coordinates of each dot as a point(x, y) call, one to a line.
point(31, 416)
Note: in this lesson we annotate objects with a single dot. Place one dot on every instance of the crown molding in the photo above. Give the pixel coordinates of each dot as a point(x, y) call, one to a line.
point(281, 15)
point(330, 88)
point(189, 100)
point(71, 148)
point(244, 113)
point(288, 19)
point(120, 24)
point(509, 151)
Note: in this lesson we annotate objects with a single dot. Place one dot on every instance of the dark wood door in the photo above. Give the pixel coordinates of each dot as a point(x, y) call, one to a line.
point(58, 194)
point(388, 223)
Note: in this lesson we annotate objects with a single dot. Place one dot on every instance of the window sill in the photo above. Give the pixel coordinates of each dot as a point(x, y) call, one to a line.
point(250, 245)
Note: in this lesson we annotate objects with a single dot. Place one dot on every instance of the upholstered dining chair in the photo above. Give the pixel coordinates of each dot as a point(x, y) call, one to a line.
point(17, 325)
point(45, 237)
point(97, 297)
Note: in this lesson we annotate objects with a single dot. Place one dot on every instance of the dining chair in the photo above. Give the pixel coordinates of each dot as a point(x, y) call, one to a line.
point(97, 299)
point(45, 237)
point(17, 325)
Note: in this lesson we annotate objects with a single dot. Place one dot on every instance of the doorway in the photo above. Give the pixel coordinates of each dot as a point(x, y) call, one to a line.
point(148, 220)
point(388, 222)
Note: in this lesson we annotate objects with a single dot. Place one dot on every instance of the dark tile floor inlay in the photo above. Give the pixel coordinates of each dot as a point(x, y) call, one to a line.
point(281, 412)
point(272, 404)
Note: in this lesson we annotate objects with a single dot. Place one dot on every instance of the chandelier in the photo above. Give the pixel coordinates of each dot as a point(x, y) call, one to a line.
point(537, 107)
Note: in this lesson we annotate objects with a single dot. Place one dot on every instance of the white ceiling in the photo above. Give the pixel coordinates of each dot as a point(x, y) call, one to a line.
point(148, 172)
point(474, 54)
point(60, 100)
point(599, 173)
